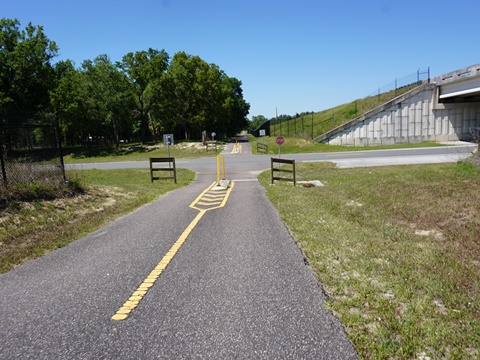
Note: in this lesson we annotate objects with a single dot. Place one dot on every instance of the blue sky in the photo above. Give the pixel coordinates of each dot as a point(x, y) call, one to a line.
point(291, 56)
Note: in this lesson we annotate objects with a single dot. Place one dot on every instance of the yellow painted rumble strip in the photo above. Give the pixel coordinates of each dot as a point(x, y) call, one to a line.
point(142, 290)
point(209, 203)
point(212, 196)
point(192, 205)
point(224, 199)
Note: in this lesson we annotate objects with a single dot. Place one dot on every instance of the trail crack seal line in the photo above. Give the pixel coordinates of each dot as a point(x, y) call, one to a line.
point(202, 204)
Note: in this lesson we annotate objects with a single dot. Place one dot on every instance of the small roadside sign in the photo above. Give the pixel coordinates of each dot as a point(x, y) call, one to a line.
point(168, 139)
point(262, 132)
point(279, 140)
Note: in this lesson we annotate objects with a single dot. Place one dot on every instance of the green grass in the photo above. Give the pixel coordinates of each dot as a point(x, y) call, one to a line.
point(293, 145)
point(32, 228)
point(397, 249)
point(329, 119)
point(136, 152)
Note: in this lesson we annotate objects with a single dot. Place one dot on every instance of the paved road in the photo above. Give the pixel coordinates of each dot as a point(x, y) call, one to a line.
point(245, 165)
point(207, 275)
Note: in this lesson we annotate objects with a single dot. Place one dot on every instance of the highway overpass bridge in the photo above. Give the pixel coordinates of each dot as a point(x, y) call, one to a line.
point(446, 108)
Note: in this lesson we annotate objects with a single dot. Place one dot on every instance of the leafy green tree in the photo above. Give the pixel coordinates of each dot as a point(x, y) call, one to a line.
point(181, 92)
point(236, 107)
point(199, 96)
point(145, 70)
point(111, 100)
point(212, 92)
point(26, 73)
point(94, 101)
point(257, 121)
point(71, 101)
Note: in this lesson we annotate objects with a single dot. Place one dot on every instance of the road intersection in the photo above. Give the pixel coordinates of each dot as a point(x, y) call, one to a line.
point(197, 276)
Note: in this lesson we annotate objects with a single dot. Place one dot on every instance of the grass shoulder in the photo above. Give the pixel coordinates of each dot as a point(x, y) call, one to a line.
point(397, 251)
point(137, 152)
point(31, 228)
point(296, 145)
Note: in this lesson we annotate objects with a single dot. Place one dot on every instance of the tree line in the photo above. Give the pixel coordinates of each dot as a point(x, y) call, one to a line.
point(146, 94)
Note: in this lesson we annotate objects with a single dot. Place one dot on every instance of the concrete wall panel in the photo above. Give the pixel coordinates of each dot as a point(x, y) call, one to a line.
point(414, 118)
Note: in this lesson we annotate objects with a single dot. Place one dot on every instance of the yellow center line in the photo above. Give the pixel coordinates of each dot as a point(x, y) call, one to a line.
point(124, 311)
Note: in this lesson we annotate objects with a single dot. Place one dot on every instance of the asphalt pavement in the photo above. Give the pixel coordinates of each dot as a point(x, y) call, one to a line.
point(222, 279)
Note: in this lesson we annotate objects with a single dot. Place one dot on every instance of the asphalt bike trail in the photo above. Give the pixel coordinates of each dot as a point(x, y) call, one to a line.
point(200, 273)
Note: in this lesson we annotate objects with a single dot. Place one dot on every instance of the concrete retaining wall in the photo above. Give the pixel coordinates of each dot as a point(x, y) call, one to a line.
point(413, 117)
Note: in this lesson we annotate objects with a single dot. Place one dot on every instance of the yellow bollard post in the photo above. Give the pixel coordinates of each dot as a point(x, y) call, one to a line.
point(223, 167)
point(218, 170)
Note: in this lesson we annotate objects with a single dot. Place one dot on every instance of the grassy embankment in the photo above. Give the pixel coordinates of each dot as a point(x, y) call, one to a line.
point(315, 124)
point(397, 249)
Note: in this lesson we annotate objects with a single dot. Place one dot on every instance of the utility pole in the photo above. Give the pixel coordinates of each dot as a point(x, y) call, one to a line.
point(280, 130)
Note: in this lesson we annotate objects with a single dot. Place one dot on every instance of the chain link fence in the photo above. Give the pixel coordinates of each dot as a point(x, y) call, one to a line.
point(30, 153)
point(316, 124)
point(413, 78)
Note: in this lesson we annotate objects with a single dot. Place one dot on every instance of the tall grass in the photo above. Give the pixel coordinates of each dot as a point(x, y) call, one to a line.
point(397, 249)
point(33, 224)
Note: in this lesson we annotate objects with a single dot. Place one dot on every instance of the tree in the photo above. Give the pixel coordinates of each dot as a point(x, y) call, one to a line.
point(199, 96)
point(257, 121)
point(236, 107)
point(108, 89)
point(145, 70)
point(26, 73)
point(70, 100)
point(181, 91)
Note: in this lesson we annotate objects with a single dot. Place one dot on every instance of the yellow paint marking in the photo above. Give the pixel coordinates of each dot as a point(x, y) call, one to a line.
point(139, 293)
point(124, 311)
point(119, 316)
point(129, 305)
point(212, 196)
point(209, 203)
point(200, 196)
point(217, 198)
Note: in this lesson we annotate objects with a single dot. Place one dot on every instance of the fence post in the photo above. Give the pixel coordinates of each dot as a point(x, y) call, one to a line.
point(59, 139)
point(4, 172)
point(312, 126)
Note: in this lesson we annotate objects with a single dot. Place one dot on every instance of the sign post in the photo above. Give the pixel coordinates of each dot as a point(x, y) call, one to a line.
point(279, 140)
point(167, 141)
point(262, 134)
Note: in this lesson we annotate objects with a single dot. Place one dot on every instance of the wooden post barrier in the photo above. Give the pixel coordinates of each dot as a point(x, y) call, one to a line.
point(279, 169)
point(262, 148)
point(168, 160)
point(211, 144)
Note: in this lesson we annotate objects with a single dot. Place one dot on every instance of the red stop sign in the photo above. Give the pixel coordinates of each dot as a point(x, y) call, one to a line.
point(280, 140)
